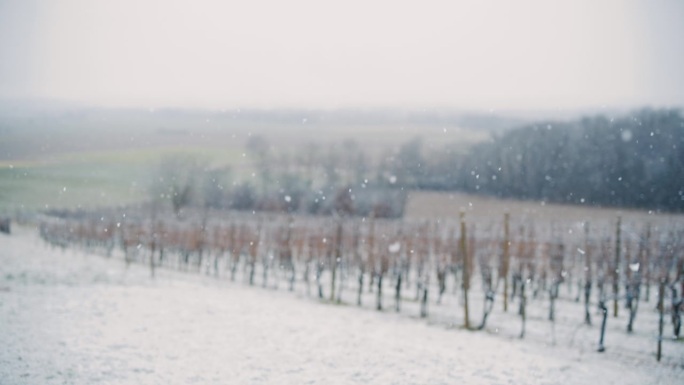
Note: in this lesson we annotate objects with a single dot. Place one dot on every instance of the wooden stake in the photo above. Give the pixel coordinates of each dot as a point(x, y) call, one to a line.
point(661, 321)
point(616, 270)
point(506, 260)
point(588, 274)
point(337, 257)
point(466, 271)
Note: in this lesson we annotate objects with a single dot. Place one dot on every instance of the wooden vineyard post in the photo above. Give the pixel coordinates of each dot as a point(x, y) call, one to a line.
point(153, 236)
point(556, 256)
point(466, 270)
point(253, 251)
point(422, 253)
point(289, 255)
point(633, 285)
point(337, 259)
point(265, 262)
point(604, 313)
point(399, 265)
point(125, 243)
point(616, 269)
point(663, 278)
point(506, 260)
point(321, 250)
point(661, 313)
point(646, 262)
point(153, 248)
point(523, 307)
point(371, 251)
point(587, 274)
point(359, 260)
point(678, 302)
point(234, 250)
point(602, 298)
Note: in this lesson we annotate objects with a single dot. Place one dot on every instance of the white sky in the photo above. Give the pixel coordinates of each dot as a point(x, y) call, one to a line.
point(316, 53)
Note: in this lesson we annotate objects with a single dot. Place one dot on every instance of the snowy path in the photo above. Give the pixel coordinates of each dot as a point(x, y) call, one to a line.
point(68, 317)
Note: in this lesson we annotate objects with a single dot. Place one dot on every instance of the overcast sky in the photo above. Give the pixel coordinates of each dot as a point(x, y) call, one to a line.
point(315, 53)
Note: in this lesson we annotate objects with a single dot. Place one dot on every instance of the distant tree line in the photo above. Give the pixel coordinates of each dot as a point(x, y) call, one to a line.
point(635, 160)
point(332, 180)
point(629, 161)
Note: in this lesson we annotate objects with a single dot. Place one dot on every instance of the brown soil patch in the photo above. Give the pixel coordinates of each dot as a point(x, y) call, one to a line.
point(433, 205)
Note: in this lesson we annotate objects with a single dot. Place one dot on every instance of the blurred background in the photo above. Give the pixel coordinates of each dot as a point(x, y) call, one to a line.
point(113, 103)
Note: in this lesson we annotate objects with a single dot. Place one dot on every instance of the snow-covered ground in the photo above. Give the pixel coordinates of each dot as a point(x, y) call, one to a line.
point(74, 318)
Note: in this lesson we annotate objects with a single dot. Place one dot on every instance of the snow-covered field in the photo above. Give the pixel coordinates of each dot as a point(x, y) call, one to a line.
point(74, 318)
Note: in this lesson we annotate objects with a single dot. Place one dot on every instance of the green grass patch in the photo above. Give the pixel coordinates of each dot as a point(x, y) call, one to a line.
point(93, 179)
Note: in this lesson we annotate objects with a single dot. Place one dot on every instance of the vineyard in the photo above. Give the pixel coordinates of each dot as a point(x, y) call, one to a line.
point(613, 285)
